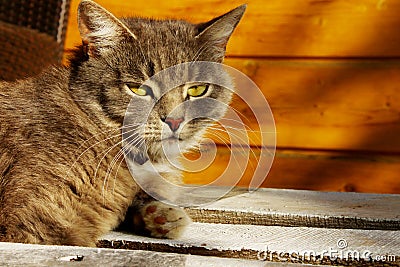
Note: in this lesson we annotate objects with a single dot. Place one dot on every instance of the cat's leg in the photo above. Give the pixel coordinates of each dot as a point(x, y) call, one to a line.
point(156, 219)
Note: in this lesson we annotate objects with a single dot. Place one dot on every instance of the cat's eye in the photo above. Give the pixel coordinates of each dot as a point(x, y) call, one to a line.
point(197, 90)
point(140, 90)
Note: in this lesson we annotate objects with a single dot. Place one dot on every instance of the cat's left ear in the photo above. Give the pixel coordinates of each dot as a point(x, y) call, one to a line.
point(100, 30)
point(218, 30)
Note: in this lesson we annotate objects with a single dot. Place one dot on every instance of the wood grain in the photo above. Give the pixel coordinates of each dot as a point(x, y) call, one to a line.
point(317, 104)
point(333, 28)
point(231, 243)
point(312, 170)
point(328, 104)
point(270, 243)
point(13, 254)
point(240, 226)
point(298, 208)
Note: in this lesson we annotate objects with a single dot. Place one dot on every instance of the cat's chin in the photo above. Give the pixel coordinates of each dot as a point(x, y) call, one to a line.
point(172, 146)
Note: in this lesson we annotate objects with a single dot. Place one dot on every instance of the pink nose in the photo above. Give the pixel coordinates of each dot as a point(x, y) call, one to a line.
point(173, 123)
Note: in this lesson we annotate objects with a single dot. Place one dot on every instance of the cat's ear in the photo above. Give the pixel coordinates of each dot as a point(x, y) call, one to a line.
point(218, 30)
point(99, 29)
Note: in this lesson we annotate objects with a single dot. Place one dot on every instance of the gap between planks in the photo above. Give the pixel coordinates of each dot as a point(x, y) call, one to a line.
point(13, 254)
point(234, 227)
point(272, 244)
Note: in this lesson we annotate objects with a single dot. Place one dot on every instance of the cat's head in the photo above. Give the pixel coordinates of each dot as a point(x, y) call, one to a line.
point(119, 55)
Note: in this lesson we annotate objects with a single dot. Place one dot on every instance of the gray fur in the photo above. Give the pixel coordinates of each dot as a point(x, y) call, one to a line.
point(62, 176)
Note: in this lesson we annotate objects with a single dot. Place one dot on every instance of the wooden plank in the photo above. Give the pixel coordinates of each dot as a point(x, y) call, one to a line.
point(298, 208)
point(335, 172)
point(312, 170)
point(13, 254)
point(244, 245)
point(334, 28)
point(328, 104)
point(228, 229)
point(273, 243)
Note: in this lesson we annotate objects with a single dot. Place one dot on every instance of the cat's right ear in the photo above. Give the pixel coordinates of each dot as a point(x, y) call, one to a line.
point(100, 30)
point(217, 31)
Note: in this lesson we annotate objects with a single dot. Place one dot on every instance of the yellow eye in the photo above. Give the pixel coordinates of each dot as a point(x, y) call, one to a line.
point(197, 90)
point(140, 90)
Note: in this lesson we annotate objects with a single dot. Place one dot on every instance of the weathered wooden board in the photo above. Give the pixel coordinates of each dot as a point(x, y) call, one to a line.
point(334, 28)
point(252, 226)
point(274, 243)
point(12, 254)
point(245, 244)
point(311, 170)
point(298, 208)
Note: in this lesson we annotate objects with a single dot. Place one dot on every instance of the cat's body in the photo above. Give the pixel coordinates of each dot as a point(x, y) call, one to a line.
point(62, 176)
point(43, 185)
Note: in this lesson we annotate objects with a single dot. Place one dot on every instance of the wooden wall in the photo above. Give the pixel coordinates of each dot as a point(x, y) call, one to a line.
point(330, 70)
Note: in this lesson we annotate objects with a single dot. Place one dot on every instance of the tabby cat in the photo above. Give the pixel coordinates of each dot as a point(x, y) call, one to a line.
point(62, 177)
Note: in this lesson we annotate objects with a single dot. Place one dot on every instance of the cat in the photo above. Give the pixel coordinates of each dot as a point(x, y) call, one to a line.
point(62, 178)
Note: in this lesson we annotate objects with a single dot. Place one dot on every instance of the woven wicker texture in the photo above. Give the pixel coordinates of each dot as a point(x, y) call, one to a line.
point(32, 34)
point(25, 52)
point(48, 16)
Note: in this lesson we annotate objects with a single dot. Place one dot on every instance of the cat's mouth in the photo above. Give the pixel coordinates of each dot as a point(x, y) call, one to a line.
point(171, 139)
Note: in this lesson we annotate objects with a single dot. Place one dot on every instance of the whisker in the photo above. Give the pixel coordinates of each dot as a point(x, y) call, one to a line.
point(112, 164)
point(121, 152)
point(243, 116)
point(262, 147)
point(247, 128)
point(107, 131)
point(98, 142)
point(116, 172)
point(119, 157)
point(101, 153)
point(242, 124)
point(242, 147)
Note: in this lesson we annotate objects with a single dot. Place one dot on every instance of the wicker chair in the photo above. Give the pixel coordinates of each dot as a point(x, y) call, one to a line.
point(32, 35)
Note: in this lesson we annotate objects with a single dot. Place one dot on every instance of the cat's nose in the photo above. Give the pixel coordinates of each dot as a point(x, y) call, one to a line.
point(173, 123)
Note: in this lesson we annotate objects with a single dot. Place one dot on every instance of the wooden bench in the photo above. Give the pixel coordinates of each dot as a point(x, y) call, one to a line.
point(252, 229)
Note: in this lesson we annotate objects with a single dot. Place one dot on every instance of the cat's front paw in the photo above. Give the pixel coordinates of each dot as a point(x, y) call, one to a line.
point(164, 221)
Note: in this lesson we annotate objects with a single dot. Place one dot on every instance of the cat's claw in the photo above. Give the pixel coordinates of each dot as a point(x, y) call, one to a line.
point(164, 221)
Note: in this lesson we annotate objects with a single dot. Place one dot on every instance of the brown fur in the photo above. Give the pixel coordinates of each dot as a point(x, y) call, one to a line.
point(48, 193)
point(62, 179)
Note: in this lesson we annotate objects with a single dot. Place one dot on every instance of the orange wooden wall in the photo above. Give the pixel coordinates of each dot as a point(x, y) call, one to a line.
point(330, 71)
